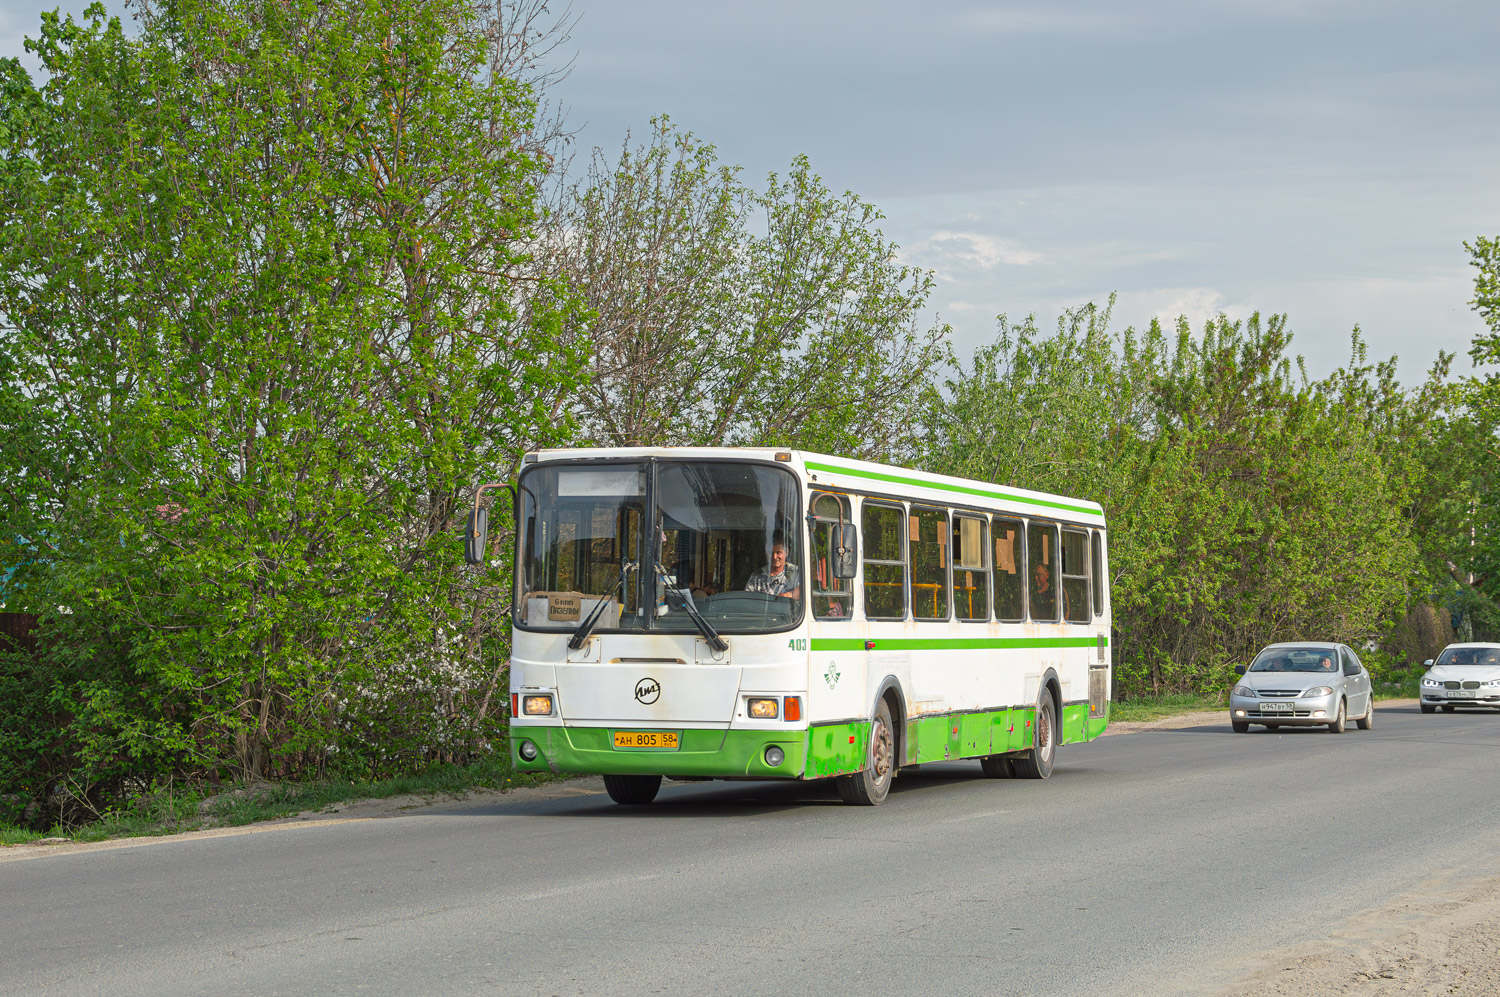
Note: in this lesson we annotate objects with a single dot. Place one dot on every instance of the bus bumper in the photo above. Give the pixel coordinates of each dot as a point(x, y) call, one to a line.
point(701, 753)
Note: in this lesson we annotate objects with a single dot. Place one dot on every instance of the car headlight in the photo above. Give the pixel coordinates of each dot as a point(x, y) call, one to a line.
point(1491, 684)
point(1431, 684)
point(1316, 691)
point(1244, 690)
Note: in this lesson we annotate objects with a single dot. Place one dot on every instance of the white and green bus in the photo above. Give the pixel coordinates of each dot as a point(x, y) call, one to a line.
point(722, 613)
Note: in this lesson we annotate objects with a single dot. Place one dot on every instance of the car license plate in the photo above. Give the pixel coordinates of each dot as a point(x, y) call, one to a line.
point(1275, 708)
point(646, 739)
point(1462, 694)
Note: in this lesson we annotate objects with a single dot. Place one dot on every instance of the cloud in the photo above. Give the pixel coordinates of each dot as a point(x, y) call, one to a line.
point(1198, 304)
point(947, 249)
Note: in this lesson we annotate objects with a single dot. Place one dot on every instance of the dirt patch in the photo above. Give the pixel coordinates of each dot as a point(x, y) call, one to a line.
point(1440, 940)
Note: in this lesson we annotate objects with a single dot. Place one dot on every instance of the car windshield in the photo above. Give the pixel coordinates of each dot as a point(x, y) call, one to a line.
point(723, 534)
point(1470, 656)
point(1296, 659)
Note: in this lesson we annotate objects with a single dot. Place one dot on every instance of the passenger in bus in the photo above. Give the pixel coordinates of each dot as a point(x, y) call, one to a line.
point(1042, 596)
point(777, 578)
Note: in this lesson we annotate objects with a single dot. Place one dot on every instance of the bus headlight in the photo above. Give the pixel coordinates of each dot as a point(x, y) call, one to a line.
point(528, 751)
point(775, 756)
point(764, 709)
point(536, 706)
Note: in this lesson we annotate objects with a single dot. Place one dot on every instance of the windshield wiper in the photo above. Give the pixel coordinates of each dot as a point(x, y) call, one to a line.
point(587, 626)
point(683, 600)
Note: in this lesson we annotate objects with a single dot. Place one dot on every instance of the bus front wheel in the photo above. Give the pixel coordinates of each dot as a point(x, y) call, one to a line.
point(869, 788)
point(1037, 763)
point(632, 788)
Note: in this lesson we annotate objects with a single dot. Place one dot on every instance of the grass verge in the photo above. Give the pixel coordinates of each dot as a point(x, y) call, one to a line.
point(174, 811)
point(1145, 708)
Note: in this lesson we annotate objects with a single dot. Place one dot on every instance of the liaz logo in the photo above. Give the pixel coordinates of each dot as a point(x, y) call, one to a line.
point(647, 691)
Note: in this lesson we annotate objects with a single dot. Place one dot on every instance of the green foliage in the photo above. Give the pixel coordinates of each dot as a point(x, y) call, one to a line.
point(266, 327)
point(722, 315)
point(1247, 504)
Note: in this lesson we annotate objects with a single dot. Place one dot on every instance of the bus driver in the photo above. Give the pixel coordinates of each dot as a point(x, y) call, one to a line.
point(778, 577)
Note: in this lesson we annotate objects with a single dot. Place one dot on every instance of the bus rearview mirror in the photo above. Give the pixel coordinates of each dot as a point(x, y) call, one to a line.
point(476, 535)
point(845, 550)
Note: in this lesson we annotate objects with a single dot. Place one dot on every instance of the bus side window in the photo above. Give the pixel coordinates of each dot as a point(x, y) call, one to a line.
point(1075, 576)
point(929, 563)
point(1098, 572)
point(832, 598)
point(1041, 545)
point(1010, 570)
point(971, 590)
point(885, 560)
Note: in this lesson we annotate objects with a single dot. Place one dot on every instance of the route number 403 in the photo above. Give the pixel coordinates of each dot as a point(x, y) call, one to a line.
point(797, 644)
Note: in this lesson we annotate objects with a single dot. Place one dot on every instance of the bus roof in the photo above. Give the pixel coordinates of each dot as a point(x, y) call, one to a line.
point(862, 476)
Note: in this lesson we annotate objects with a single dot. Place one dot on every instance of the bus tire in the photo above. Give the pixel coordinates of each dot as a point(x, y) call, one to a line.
point(634, 789)
point(997, 766)
point(870, 786)
point(1037, 762)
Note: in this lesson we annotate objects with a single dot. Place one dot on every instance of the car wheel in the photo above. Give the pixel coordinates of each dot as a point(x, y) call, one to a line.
point(1368, 720)
point(1037, 763)
point(996, 766)
point(1428, 708)
point(1239, 726)
point(869, 787)
point(1336, 725)
point(1449, 707)
point(635, 789)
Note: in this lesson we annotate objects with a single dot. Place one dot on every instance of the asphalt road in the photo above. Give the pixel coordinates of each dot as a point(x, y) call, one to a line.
point(1149, 862)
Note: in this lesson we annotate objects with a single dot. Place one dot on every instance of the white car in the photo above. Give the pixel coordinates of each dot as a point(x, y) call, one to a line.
point(1463, 675)
point(1302, 684)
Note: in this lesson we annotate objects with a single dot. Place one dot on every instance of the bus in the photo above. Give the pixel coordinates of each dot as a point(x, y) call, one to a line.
point(747, 613)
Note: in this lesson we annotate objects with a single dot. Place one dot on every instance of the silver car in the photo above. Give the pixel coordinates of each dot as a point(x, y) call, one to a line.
point(1302, 684)
point(1463, 675)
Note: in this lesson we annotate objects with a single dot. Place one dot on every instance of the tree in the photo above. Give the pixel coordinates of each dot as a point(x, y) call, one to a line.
point(1247, 504)
point(701, 331)
point(269, 300)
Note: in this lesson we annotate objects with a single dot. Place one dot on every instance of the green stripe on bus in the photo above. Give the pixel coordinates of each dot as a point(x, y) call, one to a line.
point(948, 643)
point(896, 479)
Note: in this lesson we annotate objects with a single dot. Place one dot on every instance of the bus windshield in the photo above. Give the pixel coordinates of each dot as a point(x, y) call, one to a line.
point(723, 532)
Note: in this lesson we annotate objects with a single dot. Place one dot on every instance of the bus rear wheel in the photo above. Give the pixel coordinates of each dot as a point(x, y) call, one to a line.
point(870, 787)
point(996, 766)
point(632, 788)
point(1037, 763)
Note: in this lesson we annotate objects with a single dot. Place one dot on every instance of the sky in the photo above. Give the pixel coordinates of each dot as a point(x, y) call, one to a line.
point(1322, 158)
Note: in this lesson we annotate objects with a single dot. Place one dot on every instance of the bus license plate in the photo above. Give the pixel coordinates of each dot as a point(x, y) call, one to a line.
point(646, 739)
